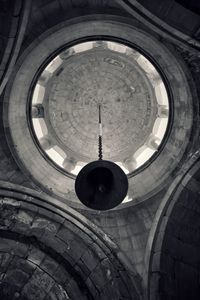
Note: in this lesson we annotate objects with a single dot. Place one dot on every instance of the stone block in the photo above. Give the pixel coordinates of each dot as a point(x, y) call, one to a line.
point(5, 259)
point(16, 277)
point(36, 256)
point(61, 275)
point(24, 265)
point(89, 259)
point(98, 276)
point(49, 265)
point(57, 293)
point(42, 280)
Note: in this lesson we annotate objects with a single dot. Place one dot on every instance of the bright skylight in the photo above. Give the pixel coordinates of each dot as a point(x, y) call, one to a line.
point(55, 156)
point(38, 94)
point(40, 127)
point(127, 199)
point(54, 64)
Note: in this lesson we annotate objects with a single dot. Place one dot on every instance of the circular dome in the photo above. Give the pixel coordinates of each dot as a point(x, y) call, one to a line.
point(71, 86)
point(82, 63)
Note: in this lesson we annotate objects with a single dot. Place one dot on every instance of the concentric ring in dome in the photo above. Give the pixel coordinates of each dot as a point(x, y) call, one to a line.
point(132, 95)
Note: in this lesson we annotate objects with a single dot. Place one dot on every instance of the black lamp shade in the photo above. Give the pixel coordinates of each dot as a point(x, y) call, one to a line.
point(101, 185)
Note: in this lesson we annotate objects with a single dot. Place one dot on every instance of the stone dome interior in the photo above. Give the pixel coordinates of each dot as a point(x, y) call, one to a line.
point(139, 60)
point(68, 91)
point(67, 74)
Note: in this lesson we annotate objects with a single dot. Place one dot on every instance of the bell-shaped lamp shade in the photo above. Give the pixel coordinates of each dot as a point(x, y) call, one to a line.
point(101, 185)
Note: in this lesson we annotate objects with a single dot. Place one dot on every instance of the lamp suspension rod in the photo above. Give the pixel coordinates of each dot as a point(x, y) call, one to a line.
point(100, 135)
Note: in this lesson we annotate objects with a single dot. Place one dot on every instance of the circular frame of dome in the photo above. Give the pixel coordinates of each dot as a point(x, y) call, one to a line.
point(181, 92)
point(141, 102)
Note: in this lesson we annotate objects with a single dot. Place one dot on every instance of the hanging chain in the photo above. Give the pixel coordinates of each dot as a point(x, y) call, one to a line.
point(100, 135)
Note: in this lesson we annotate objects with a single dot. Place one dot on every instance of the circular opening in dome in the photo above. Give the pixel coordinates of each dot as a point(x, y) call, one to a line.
point(68, 91)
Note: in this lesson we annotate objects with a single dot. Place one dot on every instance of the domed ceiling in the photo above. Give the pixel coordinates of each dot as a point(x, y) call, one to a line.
point(69, 90)
point(52, 120)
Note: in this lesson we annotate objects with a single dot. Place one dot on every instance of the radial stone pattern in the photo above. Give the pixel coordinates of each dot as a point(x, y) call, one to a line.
point(75, 83)
point(95, 78)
